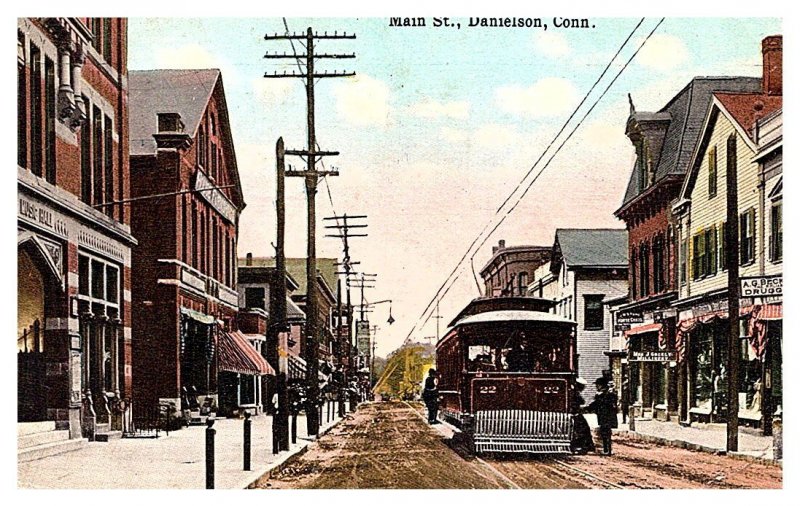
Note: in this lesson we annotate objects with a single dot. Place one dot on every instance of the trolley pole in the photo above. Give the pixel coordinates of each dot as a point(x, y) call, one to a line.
point(310, 175)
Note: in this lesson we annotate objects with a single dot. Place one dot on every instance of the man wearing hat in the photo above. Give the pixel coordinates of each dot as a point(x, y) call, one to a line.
point(430, 395)
point(605, 406)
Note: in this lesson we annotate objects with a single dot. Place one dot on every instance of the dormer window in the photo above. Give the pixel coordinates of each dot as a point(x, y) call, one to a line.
point(643, 165)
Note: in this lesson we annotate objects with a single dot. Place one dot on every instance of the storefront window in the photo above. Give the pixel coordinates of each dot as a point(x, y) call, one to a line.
point(703, 368)
point(750, 388)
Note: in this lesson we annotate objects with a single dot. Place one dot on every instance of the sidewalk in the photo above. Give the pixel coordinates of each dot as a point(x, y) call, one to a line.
point(710, 437)
point(173, 461)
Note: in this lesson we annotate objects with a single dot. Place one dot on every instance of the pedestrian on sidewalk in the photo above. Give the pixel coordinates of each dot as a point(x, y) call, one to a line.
point(605, 407)
point(581, 442)
point(430, 395)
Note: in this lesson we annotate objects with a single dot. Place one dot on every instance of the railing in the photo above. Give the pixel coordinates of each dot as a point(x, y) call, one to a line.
point(149, 422)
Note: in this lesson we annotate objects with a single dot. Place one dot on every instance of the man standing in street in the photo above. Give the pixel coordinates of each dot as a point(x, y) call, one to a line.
point(430, 395)
point(605, 407)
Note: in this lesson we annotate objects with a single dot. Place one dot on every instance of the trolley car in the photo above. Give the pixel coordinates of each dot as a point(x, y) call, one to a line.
point(507, 368)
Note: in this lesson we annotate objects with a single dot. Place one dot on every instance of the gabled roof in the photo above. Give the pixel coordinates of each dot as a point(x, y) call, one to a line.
point(150, 92)
point(742, 110)
point(183, 91)
point(746, 108)
point(687, 111)
point(596, 247)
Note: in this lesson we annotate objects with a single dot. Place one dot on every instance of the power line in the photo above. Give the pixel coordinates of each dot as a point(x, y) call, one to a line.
point(456, 271)
point(525, 192)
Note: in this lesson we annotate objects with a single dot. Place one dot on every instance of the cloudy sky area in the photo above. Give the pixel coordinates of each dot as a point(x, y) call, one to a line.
point(438, 127)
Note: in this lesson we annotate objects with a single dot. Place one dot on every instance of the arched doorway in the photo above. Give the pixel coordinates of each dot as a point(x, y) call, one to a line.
point(38, 286)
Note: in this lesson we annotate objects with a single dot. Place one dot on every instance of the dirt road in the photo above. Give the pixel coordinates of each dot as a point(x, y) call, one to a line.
point(389, 445)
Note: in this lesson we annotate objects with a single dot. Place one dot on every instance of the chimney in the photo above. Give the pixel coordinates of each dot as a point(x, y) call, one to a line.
point(501, 243)
point(249, 260)
point(772, 52)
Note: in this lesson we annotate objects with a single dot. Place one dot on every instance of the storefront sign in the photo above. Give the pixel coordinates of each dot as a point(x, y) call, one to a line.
point(629, 317)
point(762, 286)
point(660, 316)
point(651, 356)
point(622, 327)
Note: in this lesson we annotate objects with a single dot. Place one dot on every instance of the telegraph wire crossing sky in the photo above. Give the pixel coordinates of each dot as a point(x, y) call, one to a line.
point(438, 127)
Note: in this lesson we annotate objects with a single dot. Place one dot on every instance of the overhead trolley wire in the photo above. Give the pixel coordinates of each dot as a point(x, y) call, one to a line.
point(456, 271)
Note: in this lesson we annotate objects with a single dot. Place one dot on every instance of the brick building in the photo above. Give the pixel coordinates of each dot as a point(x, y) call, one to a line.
point(510, 269)
point(185, 298)
point(664, 142)
point(73, 243)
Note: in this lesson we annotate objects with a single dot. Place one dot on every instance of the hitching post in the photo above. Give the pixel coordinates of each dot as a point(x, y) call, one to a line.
point(247, 428)
point(210, 432)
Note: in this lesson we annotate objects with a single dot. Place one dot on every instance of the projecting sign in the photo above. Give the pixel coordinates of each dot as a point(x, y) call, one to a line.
point(762, 286)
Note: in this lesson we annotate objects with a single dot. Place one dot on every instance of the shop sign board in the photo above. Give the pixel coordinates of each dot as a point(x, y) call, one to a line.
point(651, 356)
point(629, 317)
point(761, 286)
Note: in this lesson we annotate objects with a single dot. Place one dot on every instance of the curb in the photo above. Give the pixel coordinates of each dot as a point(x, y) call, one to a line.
point(697, 447)
point(283, 461)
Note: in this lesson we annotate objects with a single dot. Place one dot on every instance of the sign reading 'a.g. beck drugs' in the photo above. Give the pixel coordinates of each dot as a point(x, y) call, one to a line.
point(762, 286)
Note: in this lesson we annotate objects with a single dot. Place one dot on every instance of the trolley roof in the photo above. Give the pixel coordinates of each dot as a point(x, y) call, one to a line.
point(489, 304)
point(513, 316)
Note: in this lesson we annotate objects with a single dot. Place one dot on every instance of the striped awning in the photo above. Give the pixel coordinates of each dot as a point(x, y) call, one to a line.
point(643, 329)
point(237, 355)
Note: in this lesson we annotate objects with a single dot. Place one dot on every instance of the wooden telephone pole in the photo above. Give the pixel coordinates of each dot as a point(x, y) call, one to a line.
point(311, 176)
point(343, 226)
point(280, 426)
point(732, 251)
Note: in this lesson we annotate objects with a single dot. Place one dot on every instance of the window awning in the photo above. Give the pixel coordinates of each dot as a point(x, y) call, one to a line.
point(198, 316)
point(297, 369)
point(237, 355)
point(644, 329)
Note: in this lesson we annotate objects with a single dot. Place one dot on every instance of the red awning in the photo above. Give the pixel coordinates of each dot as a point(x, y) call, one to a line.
point(771, 312)
point(650, 327)
point(237, 355)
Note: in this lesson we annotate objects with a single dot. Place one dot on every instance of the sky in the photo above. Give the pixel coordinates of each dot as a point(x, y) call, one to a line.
point(438, 127)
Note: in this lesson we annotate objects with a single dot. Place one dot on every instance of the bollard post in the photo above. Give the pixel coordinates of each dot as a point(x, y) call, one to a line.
point(210, 432)
point(294, 428)
point(632, 419)
point(777, 436)
point(247, 433)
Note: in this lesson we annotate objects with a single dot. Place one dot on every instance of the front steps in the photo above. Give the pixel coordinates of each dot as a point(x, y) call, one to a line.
point(37, 440)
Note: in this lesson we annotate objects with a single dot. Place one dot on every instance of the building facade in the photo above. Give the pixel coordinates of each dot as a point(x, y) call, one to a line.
point(510, 269)
point(663, 142)
point(73, 236)
point(587, 267)
point(187, 199)
point(730, 140)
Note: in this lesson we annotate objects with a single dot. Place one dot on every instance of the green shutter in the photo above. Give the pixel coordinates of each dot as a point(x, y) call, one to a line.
point(712, 250)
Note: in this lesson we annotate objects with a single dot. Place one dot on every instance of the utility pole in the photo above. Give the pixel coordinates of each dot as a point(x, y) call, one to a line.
point(362, 326)
point(280, 426)
point(732, 251)
point(343, 226)
point(372, 355)
point(311, 175)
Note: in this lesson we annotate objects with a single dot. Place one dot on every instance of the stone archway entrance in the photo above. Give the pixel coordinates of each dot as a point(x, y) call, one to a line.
point(37, 285)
